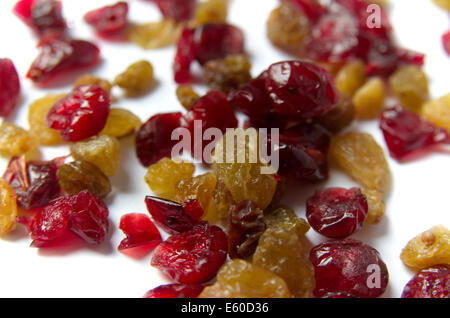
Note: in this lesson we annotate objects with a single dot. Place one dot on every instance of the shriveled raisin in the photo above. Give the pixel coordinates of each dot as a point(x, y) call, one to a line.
point(285, 218)
point(120, 123)
point(8, 208)
point(93, 80)
point(339, 117)
point(15, 141)
point(175, 291)
point(137, 78)
point(200, 188)
point(211, 11)
point(220, 206)
point(369, 99)
point(187, 96)
point(154, 35)
point(437, 112)
point(351, 77)
point(377, 208)
point(432, 282)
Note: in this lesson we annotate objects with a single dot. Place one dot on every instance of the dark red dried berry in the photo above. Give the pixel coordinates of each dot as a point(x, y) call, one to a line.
point(192, 257)
point(108, 19)
point(178, 10)
point(337, 212)
point(61, 56)
point(193, 208)
point(446, 42)
point(348, 266)
point(9, 87)
point(139, 231)
point(175, 291)
point(81, 114)
point(406, 134)
point(154, 138)
point(432, 282)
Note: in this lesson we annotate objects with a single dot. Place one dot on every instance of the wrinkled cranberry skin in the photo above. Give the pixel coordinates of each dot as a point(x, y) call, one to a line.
point(406, 133)
point(9, 87)
point(81, 114)
point(175, 291)
point(346, 267)
point(184, 56)
point(154, 138)
point(301, 89)
point(178, 10)
point(446, 42)
point(192, 257)
point(169, 215)
point(108, 19)
point(58, 57)
point(192, 208)
point(139, 231)
point(337, 212)
point(432, 282)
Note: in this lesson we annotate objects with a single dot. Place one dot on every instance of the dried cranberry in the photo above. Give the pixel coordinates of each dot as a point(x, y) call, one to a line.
point(192, 257)
point(60, 56)
point(9, 87)
point(35, 183)
point(154, 138)
point(407, 134)
point(108, 19)
point(175, 291)
point(446, 42)
point(81, 114)
point(139, 231)
point(348, 266)
point(433, 282)
point(337, 212)
point(178, 10)
point(169, 215)
point(338, 295)
point(193, 208)
point(301, 89)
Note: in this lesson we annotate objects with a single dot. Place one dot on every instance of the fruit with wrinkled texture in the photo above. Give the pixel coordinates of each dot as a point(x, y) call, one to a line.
point(351, 77)
point(200, 188)
point(432, 282)
point(139, 231)
point(220, 206)
point(363, 159)
point(437, 112)
point(120, 123)
point(9, 87)
point(444, 4)
point(88, 79)
point(211, 11)
point(427, 249)
point(369, 99)
point(377, 208)
point(108, 20)
point(285, 218)
point(240, 279)
point(187, 96)
point(8, 208)
point(15, 141)
point(154, 35)
point(137, 78)
point(339, 117)
point(175, 291)
point(102, 151)
point(179, 10)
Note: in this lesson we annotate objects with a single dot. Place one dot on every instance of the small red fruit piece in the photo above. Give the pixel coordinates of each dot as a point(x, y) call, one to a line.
point(192, 257)
point(432, 282)
point(348, 266)
point(406, 134)
point(446, 42)
point(175, 291)
point(154, 138)
point(9, 87)
point(193, 208)
point(108, 19)
point(81, 114)
point(178, 10)
point(139, 231)
point(337, 212)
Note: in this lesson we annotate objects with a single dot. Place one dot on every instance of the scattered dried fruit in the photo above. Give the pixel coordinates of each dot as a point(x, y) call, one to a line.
point(369, 99)
point(8, 208)
point(9, 87)
point(108, 19)
point(93, 80)
point(120, 123)
point(351, 77)
point(437, 112)
point(285, 218)
point(154, 35)
point(175, 291)
point(15, 141)
point(432, 282)
point(137, 78)
point(139, 231)
point(199, 188)
point(220, 206)
point(211, 11)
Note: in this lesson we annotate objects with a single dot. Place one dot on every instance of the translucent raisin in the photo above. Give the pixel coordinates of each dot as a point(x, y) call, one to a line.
point(120, 123)
point(137, 78)
point(200, 188)
point(351, 77)
point(220, 206)
point(211, 11)
point(15, 141)
point(8, 208)
point(187, 96)
point(437, 112)
point(339, 117)
point(102, 151)
point(154, 35)
point(285, 218)
point(93, 80)
point(369, 99)
point(240, 279)
point(429, 248)
point(377, 208)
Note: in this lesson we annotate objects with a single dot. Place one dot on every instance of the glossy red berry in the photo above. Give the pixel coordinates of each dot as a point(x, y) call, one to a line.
point(139, 231)
point(108, 19)
point(9, 87)
point(178, 10)
point(175, 291)
point(432, 282)
point(193, 208)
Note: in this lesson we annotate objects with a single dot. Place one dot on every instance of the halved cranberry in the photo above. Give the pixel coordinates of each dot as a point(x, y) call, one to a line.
point(175, 291)
point(108, 19)
point(432, 282)
point(60, 56)
point(406, 134)
point(139, 231)
point(193, 208)
point(81, 114)
point(337, 212)
point(9, 87)
point(178, 10)
point(154, 138)
point(446, 42)
point(192, 257)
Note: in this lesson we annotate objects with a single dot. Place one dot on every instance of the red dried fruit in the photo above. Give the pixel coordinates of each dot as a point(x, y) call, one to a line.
point(175, 291)
point(432, 282)
point(9, 87)
point(153, 139)
point(406, 134)
point(337, 212)
point(446, 42)
point(35, 183)
point(139, 231)
point(61, 56)
point(108, 19)
point(192, 257)
point(178, 10)
point(169, 215)
point(348, 266)
point(193, 208)
point(301, 89)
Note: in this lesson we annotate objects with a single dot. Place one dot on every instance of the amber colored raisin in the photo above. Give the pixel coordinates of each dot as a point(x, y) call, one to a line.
point(77, 176)
point(351, 77)
point(8, 208)
point(15, 141)
point(283, 253)
point(200, 188)
point(154, 35)
point(437, 112)
point(228, 74)
point(369, 99)
point(285, 218)
point(240, 279)
point(410, 85)
point(120, 123)
point(211, 11)
point(377, 208)
point(137, 78)
point(220, 206)
point(102, 151)
point(187, 96)
point(363, 159)
point(427, 249)
point(36, 120)
point(444, 4)
point(339, 117)
point(164, 176)
point(93, 80)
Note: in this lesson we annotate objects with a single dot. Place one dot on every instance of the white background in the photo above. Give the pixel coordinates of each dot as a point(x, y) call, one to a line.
point(419, 199)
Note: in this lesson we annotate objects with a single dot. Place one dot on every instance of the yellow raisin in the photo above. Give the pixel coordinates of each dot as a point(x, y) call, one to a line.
point(285, 218)
point(211, 11)
point(351, 77)
point(8, 208)
point(137, 78)
point(187, 96)
point(93, 80)
point(376, 204)
point(15, 141)
point(437, 112)
point(220, 206)
point(444, 4)
point(120, 123)
point(369, 99)
point(200, 188)
point(154, 35)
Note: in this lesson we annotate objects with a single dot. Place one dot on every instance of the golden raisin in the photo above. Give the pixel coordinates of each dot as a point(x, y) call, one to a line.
point(444, 4)
point(285, 218)
point(200, 188)
point(376, 204)
point(369, 99)
point(93, 80)
point(137, 78)
point(220, 206)
point(187, 96)
point(351, 77)
point(8, 208)
point(430, 248)
point(120, 123)
point(241, 279)
point(15, 141)
point(154, 35)
point(211, 11)
point(437, 112)
point(340, 116)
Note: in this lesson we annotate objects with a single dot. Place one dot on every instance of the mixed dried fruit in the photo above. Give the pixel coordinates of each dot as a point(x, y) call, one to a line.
point(432, 282)
point(15, 141)
point(109, 19)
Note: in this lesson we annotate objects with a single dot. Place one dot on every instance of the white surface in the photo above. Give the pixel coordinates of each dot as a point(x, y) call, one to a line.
point(419, 199)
